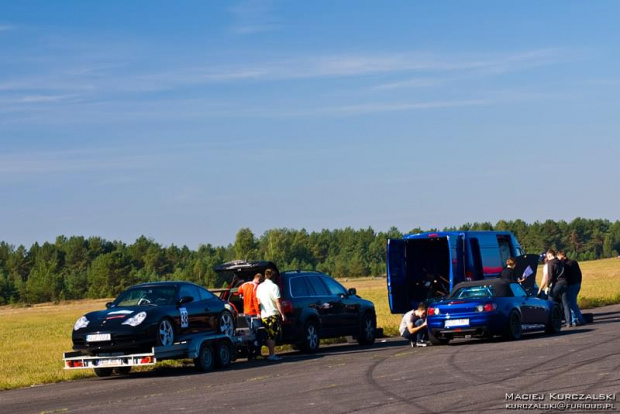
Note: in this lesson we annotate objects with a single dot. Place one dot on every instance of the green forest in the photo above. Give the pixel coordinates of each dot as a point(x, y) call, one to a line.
point(77, 267)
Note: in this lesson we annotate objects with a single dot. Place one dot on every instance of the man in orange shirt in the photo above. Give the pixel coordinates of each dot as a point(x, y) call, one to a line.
point(251, 310)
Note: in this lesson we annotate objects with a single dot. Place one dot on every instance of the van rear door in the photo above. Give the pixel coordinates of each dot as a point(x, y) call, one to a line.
point(397, 276)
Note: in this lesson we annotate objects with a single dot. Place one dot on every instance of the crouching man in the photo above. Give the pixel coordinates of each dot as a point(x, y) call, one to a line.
point(413, 326)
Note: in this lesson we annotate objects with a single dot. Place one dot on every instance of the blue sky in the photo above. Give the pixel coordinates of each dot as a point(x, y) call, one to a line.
point(186, 121)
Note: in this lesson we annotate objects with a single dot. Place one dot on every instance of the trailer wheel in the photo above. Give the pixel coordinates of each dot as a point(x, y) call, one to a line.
point(103, 372)
point(223, 354)
point(204, 361)
point(122, 370)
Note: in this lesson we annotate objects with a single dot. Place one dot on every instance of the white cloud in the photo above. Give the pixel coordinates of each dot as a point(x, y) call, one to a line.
point(252, 17)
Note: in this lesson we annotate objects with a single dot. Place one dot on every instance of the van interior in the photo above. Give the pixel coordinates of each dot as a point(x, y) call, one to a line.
point(427, 268)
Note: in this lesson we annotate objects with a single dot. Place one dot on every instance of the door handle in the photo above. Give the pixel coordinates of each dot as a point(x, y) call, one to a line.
point(207, 309)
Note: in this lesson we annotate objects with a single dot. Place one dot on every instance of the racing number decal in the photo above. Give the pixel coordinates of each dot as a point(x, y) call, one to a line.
point(184, 318)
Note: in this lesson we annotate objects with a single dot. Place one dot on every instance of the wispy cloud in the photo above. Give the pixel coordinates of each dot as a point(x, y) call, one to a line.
point(6, 27)
point(252, 17)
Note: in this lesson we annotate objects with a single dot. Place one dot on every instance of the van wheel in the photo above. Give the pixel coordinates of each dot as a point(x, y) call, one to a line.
point(204, 362)
point(223, 354)
point(513, 330)
point(103, 372)
point(310, 343)
point(366, 336)
point(555, 321)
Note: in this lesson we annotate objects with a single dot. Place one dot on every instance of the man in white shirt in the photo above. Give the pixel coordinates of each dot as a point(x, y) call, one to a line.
point(268, 295)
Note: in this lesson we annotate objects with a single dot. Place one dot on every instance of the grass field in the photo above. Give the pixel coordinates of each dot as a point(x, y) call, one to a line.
point(34, 338)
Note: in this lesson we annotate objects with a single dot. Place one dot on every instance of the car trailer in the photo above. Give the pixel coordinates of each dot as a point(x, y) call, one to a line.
point(209, 351)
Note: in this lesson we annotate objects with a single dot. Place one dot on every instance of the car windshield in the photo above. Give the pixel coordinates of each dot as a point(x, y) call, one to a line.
point(155, 296)
point(473, 292)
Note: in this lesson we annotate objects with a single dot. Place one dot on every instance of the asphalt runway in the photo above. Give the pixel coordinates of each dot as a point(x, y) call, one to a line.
point(389, 377)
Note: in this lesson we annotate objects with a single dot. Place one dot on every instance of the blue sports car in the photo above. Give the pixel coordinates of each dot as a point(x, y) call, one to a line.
point(486, 308)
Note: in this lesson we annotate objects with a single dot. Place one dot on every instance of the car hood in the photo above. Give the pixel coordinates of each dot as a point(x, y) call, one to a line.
point(116, 316)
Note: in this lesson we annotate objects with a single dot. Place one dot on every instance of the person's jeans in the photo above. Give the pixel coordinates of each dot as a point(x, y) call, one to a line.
point(558, 292)
point(421, 335)
point(572, 292)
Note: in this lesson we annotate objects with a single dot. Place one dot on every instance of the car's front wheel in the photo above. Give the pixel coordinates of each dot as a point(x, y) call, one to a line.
point(310, 341)
point(226, 324)
point(514, 329)
point(366, 336)
point(165, 333)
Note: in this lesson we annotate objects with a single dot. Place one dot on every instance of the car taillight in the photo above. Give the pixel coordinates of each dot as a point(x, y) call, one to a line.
point(433, 311)
point(287, 307)
point(487, 307)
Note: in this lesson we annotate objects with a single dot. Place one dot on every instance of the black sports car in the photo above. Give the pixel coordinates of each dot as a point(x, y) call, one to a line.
point(153, 314)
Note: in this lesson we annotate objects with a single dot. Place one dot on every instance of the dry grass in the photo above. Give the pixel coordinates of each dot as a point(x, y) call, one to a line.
point(34, 338)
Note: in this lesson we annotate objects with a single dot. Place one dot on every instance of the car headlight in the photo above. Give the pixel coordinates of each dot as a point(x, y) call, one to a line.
point(135, 320)
point(81, 323)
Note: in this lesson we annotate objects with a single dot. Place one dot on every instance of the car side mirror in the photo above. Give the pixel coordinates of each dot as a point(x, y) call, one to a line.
point(109, 305)
point(185, 299)
point(352, 292)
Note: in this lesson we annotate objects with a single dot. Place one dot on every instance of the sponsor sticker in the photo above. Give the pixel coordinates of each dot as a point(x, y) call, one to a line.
point(184, 318)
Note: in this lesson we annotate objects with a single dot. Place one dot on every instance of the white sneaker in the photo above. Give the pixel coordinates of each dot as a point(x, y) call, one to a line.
point(274, 358)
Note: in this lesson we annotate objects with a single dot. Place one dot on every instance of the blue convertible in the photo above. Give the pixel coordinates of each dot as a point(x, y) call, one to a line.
point(486, 308)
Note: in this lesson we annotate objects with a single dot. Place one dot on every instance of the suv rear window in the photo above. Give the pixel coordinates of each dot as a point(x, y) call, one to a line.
point(299, 288)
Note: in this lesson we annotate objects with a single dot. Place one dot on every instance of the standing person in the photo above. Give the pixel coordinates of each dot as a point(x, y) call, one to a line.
point(414, 323)
point(508, 273)
point(558, 283)
point(268, 295)
point(573, 279)
point(251, 310)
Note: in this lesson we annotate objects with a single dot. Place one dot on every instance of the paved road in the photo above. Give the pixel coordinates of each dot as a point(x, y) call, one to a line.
point(390, 377)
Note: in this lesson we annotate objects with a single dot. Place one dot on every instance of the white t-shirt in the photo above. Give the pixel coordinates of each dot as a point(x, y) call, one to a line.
point(267, 293)
point(407, 319)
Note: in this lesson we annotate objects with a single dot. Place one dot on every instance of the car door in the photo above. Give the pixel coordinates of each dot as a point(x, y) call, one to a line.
point(345, 308)
point(193, 314)
point(322, 302)
point(528, 308)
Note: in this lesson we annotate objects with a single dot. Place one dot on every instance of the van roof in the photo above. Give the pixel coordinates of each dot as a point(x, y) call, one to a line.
point(430, 234)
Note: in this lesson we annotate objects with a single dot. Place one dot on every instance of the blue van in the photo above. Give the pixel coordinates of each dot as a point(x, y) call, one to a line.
point(428, 265)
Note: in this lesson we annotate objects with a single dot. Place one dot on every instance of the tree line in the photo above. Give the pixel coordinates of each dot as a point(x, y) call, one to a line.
point(77, 267)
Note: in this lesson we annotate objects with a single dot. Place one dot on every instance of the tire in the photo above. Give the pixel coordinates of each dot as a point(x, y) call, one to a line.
point(223, 354)
point(437, 341)
point(310, 341)
point(226, 324)
point(205, 360)
point(514, 329)
point(555, 321)
point(366, 335)
point(165, 333)
point(122, 370)
point(103, 372)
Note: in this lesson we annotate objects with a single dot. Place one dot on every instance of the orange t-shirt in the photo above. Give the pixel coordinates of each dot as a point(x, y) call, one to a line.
point(250, 303)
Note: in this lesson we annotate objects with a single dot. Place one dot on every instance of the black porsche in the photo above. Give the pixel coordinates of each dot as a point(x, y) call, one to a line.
point(153, 314)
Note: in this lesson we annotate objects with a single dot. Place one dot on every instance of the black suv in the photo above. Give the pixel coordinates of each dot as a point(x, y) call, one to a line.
point(315, 305)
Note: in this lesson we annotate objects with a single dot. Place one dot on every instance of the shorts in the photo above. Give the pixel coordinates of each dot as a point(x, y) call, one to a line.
point(273, 326)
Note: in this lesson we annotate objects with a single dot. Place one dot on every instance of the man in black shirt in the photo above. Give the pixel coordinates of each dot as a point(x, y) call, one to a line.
point(558, 283)
point(573, 280)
